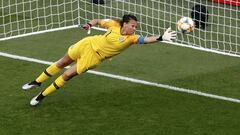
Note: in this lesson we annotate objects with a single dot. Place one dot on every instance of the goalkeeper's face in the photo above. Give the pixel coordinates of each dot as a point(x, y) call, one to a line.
point(130, 27)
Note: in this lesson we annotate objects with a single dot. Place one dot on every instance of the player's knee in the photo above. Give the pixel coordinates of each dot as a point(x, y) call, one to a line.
point(63, 62)
point(68, 75)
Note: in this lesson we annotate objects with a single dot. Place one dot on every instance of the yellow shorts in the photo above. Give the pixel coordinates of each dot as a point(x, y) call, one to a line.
point(84, 55)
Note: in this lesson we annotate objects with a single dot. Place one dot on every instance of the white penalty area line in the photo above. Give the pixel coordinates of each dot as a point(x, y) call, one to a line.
point(173, 88)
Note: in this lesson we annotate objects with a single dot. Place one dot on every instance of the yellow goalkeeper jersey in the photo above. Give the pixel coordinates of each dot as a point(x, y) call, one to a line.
point(112, 42)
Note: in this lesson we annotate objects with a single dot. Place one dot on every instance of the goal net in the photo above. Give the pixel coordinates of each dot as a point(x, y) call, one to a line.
point(222, 35)
point(27, 17)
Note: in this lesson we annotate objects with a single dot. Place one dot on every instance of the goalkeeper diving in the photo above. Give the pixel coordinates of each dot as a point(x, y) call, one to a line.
point(91, 51)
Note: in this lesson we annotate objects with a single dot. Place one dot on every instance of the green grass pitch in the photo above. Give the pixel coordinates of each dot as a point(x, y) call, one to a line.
point(95, 105)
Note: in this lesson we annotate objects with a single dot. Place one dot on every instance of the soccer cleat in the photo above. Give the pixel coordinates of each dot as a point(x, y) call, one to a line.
point(31, 85)
point(37, 99)
point(34, 102)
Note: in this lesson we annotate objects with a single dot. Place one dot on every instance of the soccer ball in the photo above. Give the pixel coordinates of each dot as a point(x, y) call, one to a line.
point(185, 25)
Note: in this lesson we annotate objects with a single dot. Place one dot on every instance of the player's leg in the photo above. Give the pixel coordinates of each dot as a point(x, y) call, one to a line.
point(54, 68)
point(88, 60)
point(49, 72)
point(58, 83)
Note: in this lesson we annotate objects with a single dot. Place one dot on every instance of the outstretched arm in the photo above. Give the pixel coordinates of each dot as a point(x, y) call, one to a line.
point(168, 35)
point(95, 22)
point(92, 23)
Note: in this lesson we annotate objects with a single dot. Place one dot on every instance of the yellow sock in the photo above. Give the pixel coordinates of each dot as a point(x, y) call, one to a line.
point(50, 71)
point(58, 83)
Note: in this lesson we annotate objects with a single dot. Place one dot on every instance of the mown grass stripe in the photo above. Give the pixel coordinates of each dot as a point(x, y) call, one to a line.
point(195, 92)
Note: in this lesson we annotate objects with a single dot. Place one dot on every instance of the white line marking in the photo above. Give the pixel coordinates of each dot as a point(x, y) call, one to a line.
point(195, 92)
point(38, 32)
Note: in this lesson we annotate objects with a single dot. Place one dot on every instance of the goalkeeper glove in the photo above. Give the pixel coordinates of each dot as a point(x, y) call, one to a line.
point(168, 35)
point(87, 26)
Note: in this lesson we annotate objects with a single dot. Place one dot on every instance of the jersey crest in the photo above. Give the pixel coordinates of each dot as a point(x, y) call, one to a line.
point(121, 39)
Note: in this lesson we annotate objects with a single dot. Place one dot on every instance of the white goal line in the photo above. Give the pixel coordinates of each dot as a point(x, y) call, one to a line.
point(39, 32)
point(173, 88)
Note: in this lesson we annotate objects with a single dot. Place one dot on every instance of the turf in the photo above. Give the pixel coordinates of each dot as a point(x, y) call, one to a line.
point(91, 104)
point(95, 105)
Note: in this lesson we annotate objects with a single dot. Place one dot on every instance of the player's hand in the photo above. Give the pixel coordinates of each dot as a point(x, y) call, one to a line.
point(169, 35)
point(87, 26)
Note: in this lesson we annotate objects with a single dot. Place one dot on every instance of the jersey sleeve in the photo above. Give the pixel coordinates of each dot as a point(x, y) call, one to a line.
point(107, 23)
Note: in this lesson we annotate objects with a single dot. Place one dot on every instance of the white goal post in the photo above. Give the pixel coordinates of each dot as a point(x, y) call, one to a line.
point(222, 35)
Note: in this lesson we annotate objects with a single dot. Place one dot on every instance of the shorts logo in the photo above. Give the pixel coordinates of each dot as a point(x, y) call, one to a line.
point(121, 39)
